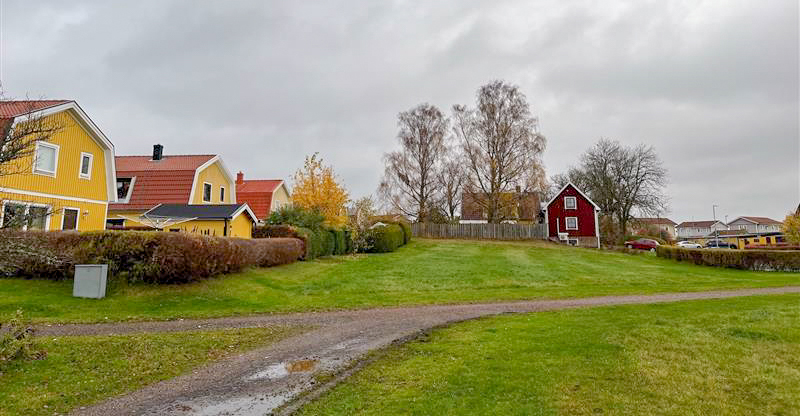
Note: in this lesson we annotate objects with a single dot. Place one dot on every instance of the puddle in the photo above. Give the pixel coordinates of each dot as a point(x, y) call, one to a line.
point(245, 406)
point(283, 369)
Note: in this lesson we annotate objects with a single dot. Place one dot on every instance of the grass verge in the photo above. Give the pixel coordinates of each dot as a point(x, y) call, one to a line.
point(82, 370)
point(424, 272)
point(722, 357)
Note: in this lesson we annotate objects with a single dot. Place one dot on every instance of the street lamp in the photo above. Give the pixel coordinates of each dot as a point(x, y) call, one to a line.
point(716, 231)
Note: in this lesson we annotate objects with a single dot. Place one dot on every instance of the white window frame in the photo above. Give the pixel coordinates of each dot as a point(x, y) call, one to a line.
point(221, 194)
point(572, 198)
point(566, 223)
point(210, 192)
point(77, 217)
point(88, 175)
point(130, 191)
point(43, 172)
point(27, 206)
point(572, 241)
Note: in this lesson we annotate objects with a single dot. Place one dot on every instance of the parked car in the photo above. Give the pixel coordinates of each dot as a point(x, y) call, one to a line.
point(688, 244)
point(642, 244)
point(720, 244)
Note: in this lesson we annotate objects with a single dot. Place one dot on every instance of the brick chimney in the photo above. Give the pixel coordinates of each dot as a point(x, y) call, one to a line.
point(240, 178)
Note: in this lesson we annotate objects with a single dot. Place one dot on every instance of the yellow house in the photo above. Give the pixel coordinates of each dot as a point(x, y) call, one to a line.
point(229, 220)
point(145, 182)
point(66, 183)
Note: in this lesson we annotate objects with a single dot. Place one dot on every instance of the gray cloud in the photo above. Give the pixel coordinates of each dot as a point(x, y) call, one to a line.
point(712, 85)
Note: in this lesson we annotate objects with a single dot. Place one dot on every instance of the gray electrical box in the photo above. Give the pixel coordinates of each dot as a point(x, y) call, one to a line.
point(90, 281)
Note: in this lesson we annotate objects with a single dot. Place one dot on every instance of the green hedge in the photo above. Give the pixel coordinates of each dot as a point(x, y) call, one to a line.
point(406, 231)
point(319, 242)
point(386, 238)
point(152, 257)
point(735, 259)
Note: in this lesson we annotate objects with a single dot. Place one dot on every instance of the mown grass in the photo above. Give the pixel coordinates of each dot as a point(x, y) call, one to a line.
point(721, 357)
point(424, 272)
point(79, 371)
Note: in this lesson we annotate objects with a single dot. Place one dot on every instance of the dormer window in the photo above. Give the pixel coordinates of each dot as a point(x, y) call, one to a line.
point(570, 202)
point(124, 189)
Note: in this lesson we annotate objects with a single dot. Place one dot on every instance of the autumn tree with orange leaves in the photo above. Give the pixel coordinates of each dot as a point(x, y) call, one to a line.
point(316, 188)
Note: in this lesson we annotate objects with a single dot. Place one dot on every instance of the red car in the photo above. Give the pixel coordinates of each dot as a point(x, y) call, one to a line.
point(642, 244)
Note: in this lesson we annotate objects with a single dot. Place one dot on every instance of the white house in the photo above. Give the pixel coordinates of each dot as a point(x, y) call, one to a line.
point(755, 225)
point(699, 229)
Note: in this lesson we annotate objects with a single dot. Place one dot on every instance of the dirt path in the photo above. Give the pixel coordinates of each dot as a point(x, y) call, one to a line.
point(263, 380)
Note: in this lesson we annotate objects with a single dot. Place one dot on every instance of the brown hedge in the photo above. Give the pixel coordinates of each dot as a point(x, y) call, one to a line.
point(154, 257)
point(735, 259)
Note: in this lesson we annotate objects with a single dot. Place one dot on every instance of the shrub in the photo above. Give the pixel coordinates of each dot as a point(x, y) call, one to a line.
point(735, 259)
point(339, 241)
point(297, 216)
point(386, 238)
point(157, 257)
point(406, 231)
point(17, 342)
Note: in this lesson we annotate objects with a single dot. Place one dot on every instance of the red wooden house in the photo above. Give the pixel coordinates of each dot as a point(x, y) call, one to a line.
point(571, 217)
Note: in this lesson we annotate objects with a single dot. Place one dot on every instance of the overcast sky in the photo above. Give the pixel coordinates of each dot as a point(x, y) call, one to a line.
point(713, 85)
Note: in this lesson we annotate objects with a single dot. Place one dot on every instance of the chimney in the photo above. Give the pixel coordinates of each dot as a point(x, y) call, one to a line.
point(158, 151)
point(240, 178)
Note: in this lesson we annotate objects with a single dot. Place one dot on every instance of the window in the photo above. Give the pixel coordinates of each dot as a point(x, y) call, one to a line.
point(221, 194)
point(37, 217)
point(23, 216)
point(86, 166)
point(115, 223)
point(570, 202)
point(572, 223)
point(69, 220)
point(46, 159)
point(124, 186)
point(14, 215)
point(206, 192)
point(572, 241)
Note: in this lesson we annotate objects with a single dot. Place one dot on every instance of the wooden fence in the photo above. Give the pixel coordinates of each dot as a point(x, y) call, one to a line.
point(481, 231)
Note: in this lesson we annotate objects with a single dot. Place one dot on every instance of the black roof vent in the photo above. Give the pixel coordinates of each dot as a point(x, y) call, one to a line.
point(158, 152)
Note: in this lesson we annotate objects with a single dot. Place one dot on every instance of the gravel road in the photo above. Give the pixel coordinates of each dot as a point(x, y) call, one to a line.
point(266, 380)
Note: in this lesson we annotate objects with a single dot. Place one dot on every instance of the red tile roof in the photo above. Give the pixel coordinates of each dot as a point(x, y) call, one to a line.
point(166, 181)
point(257, 193)
point(18, 108)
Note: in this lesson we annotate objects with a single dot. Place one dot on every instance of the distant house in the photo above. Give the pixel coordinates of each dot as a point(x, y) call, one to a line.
point(144, 182)
point(755, 225)
point(665, 225)
point(571, 215)
point(263, 195)
point(228, 220)
point(521, 207)
point(698, 229)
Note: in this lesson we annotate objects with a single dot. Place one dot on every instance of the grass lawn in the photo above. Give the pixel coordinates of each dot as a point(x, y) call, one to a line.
point(424, 272)
point(720, 357)
point(79, 371)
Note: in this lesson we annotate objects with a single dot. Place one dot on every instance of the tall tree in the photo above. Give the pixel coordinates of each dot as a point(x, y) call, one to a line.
point(409, 183)
point(317, 188)
point(502, 147)
point(621, 180)
point(450, 179)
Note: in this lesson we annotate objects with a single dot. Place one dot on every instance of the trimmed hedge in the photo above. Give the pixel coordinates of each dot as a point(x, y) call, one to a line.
point(734, 259)
point(154, 257)
point(386, 238)
point(317, 243)
point(406, 231)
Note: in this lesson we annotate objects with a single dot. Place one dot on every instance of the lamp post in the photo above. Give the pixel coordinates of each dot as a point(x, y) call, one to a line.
point(716, 231)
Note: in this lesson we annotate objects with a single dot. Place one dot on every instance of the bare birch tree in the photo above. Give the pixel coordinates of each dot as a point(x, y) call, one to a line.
point(409, 183)
point(502, 147)
point(451, 178)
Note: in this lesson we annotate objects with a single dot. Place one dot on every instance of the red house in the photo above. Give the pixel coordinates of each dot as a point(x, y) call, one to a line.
point(571, 217)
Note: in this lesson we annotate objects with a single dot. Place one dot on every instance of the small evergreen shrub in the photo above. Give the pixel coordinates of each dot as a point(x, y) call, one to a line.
point(17, 342)
point(386, 238)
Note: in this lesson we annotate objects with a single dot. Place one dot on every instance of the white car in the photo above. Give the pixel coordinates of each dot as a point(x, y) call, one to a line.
point(688, 244)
